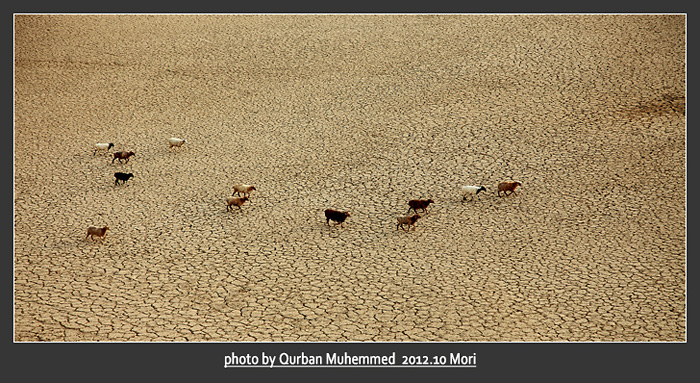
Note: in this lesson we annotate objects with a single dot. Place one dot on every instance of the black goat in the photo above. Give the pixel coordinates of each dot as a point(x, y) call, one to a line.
point(418, 204)
point(337, 216)
point(123, 177)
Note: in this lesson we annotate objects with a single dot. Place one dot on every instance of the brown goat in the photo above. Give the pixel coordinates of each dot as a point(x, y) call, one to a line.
point(508, 186)
point(419, 204)
point(409, 220)
point(98, 231)
point(335, 215)
point(122, 156)
point(238, 201)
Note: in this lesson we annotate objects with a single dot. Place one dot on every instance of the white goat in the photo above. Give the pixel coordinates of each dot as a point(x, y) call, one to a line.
point(471, 190)
point(172, 141)
point(243, 189)
point(102, 147)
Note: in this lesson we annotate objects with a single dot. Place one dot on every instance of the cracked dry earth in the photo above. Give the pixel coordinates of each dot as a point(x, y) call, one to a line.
point(358, 113)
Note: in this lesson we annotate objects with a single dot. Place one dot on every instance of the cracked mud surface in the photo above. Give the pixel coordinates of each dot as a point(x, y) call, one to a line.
point(358, 113)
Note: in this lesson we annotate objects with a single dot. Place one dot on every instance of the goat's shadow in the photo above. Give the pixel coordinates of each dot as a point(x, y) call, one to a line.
point(334, 227)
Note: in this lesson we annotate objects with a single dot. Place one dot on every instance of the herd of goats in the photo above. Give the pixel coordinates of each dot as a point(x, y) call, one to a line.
point(241, 194)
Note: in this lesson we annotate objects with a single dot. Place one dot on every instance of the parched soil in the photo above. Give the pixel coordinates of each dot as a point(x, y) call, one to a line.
point(357, 113)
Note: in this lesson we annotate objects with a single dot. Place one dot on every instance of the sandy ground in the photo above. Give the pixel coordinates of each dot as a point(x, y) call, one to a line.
point(359, 113)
